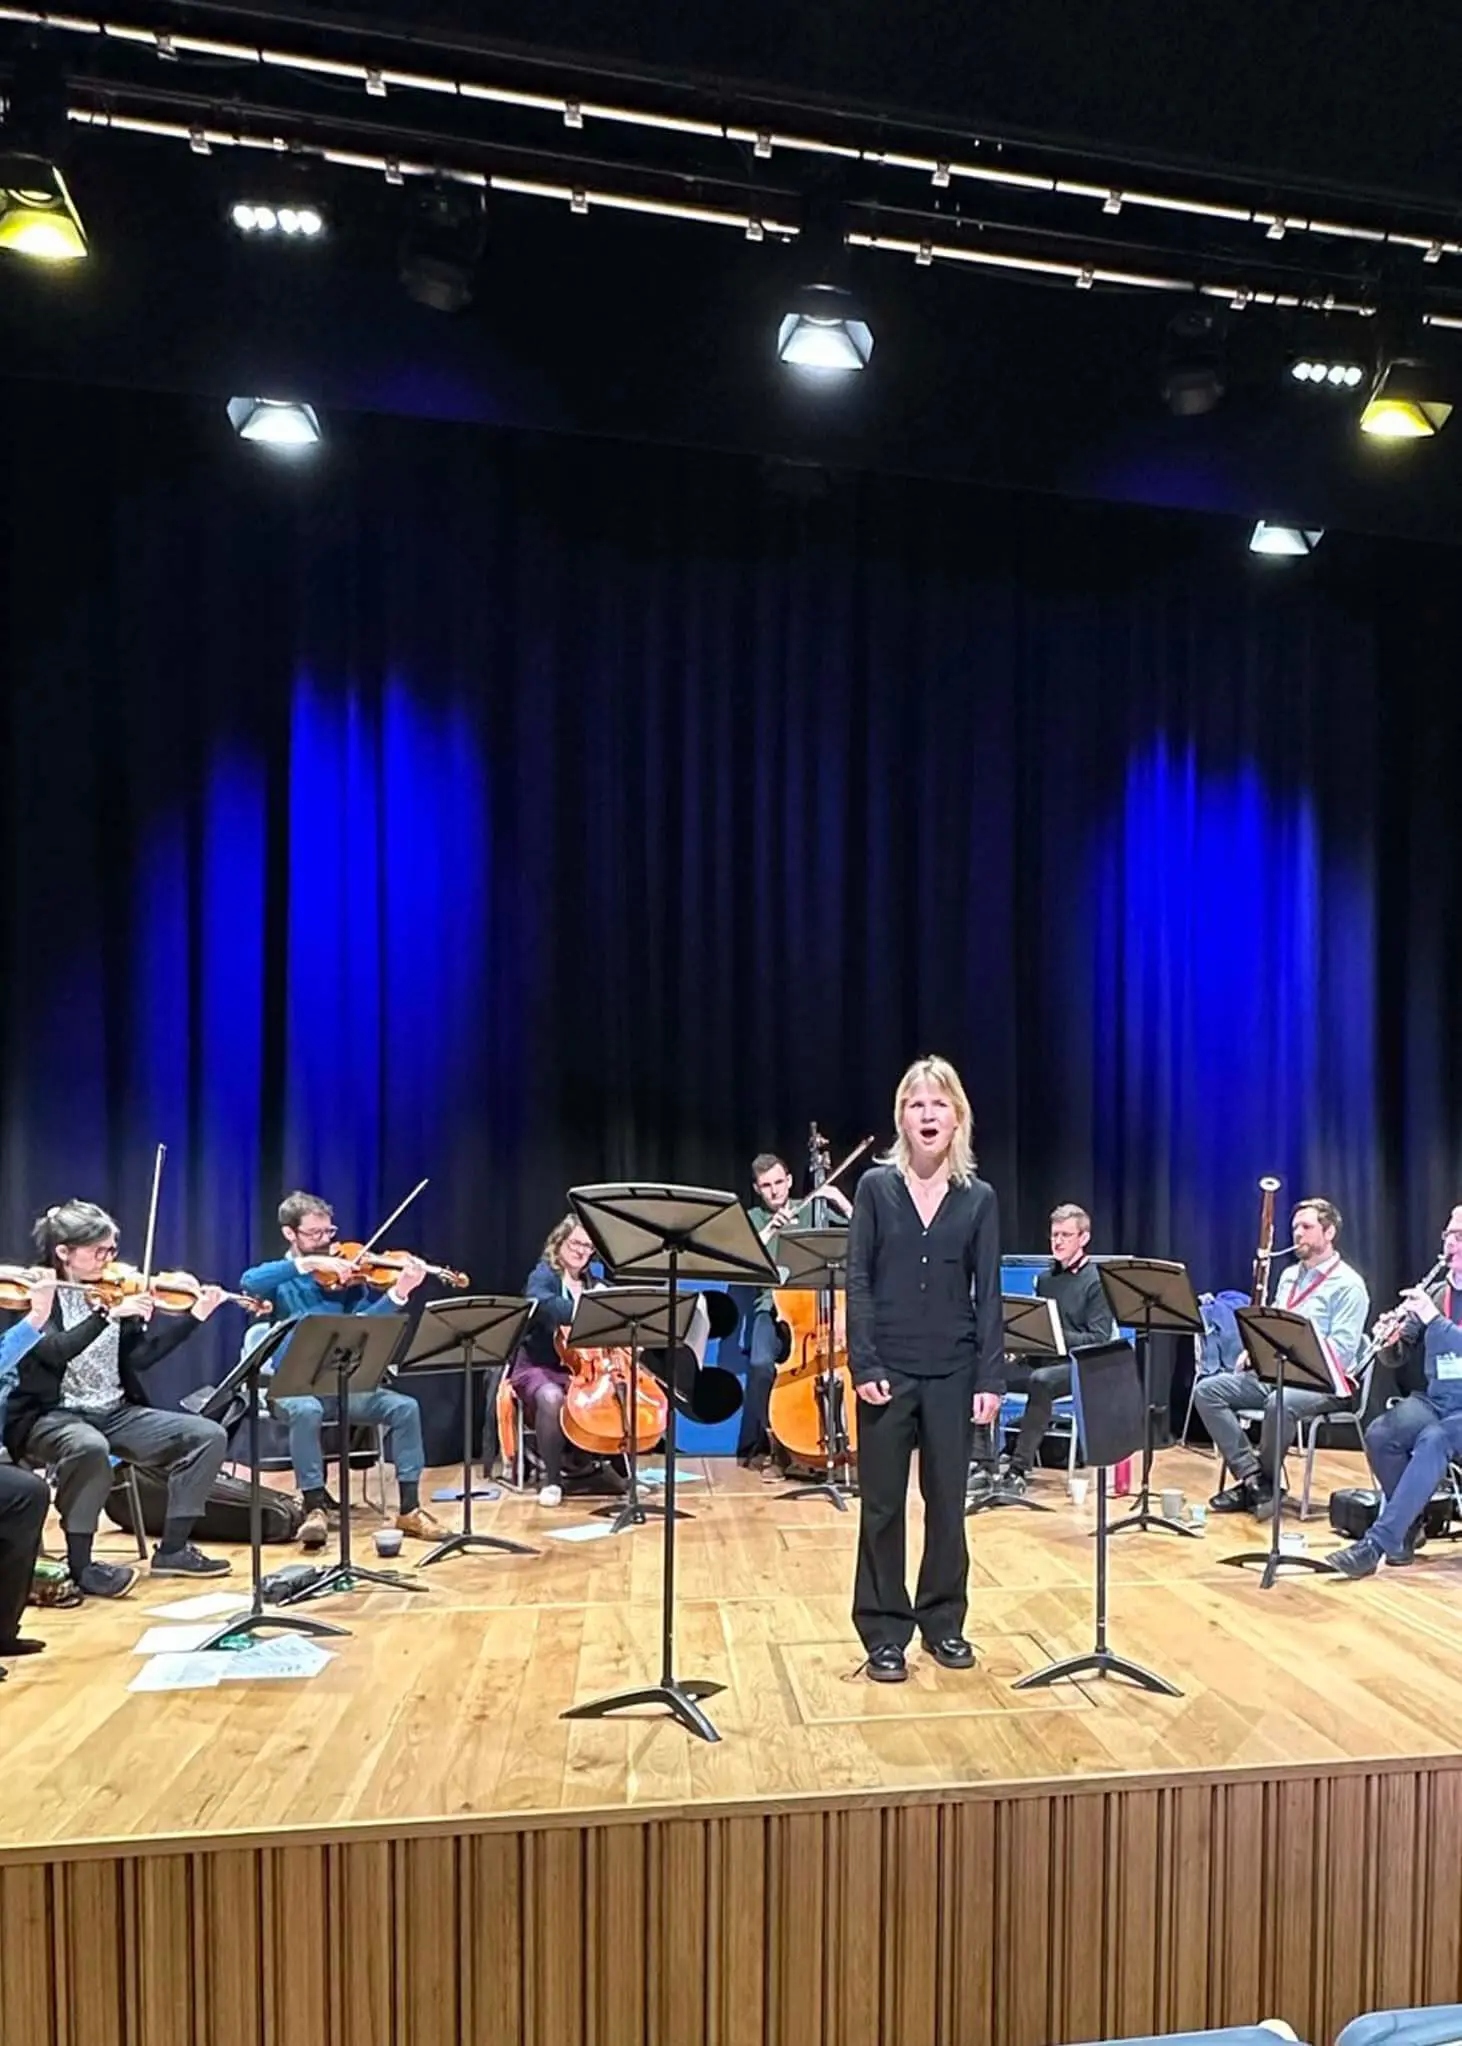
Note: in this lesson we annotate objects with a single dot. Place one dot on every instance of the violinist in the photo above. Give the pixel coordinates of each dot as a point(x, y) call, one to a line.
point(774, 1211)
point(925, 1346)
point(539, 1377)
point(25, 1499)
point(79, 1399)
point(294, 1285)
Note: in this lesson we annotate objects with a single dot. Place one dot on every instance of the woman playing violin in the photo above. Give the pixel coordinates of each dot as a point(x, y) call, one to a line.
point(79, 1399)
point(310, 1280)
point(539, 1376)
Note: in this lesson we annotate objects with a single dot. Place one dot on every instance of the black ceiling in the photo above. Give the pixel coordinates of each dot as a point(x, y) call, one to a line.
point(643, 328)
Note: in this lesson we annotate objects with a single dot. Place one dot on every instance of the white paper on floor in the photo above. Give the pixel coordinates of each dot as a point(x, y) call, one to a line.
point(173, 1640)
point(286, 1655)
point(177, 1673)
point(208, 1605)
point(682, 1477)
point(589, 1531)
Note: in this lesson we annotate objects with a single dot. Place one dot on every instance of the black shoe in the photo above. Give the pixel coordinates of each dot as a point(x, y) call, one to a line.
point(1263, 1507)
point(1359, 1560)
point(1237, 1498)
point(1402, 1562)
point(187, 1562)
point(1012, 1483)
point(886, 1664)
point(21, 1644)
point(979, 1485)
point(953, 1652)
point(106, 1580)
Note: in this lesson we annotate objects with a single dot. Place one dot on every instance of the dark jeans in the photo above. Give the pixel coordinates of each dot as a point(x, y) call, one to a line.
point(1043, 1385)
point(761, 1376)
point(24, 1503)
point(931, 1415)
point(1409, 1447)
point(185, 1448)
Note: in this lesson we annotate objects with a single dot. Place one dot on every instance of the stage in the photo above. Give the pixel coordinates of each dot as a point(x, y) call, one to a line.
point(413, 1846)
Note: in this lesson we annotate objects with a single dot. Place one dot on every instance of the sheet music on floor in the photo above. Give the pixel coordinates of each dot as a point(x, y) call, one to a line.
point(286, 1655)
point(178, 1673)
point(586, 1531)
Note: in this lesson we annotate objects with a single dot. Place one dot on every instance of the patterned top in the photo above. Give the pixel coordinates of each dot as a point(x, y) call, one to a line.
point(93, 1381)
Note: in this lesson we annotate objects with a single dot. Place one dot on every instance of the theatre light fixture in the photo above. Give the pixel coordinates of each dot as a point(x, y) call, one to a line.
point(38, 216)
point(1268, 538)
point(279, 423)
point(1408, 401)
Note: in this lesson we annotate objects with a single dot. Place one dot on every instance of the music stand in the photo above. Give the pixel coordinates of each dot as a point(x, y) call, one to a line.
point(669, 1233)
point(330, 1356)
point(248, 1626)
point(611, 1318)
point(1281, 1343)
point(816, 1261)
point(1032, 1329)
point(1111, 1419)
point(1153, 1297)
point(487, 1330)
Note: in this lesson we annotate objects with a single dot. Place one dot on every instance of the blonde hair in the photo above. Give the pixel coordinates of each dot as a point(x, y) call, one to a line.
point(555, 1240)
point(938, 1073)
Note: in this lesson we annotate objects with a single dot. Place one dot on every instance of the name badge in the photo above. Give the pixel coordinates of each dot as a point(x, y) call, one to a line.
point(1449, 1364)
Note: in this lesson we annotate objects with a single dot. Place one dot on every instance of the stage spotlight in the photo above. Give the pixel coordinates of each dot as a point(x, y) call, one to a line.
point(1406, 403)
point(825, 330)
point(304, 221)
point(1336, 376)
point(38, 216)
point(1193, 378)
point(441, 251)
point(1267, 538)
point(279, 423)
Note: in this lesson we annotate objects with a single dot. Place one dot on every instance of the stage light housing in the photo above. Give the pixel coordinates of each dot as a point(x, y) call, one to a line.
point(1408, 401)
point(277, 220)
point(443, 248)
point(1269, 538)
point(38, 217)
point(1194, 373)
point(824, 330)
point(279, 423)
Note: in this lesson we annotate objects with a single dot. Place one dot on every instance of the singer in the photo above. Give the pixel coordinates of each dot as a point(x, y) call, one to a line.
point(925, 1349)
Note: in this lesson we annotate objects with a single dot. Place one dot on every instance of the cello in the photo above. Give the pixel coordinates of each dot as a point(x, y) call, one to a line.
point(812, 1412)
point(596, 1408)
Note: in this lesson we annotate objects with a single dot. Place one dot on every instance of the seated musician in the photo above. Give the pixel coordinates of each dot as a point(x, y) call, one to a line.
point(1327, 1292)
point(78, 1399)
point(25, 1499)
point(292, 1286)
point(773, 1211)
point(1081, 1305)
point(1411, 1444)
point(539, 1377)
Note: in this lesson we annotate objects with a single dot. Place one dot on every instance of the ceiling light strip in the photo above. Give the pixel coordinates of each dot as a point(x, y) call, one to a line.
point(398, 168)
point(1111, 195)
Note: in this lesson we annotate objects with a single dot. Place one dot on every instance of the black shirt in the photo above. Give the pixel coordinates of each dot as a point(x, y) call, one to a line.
point(1081, 1304)
point(924, 1302)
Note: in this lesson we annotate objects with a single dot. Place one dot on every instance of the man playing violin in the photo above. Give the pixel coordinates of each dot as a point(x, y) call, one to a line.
point(296, 1284)
point(774, 1211)
point(79, 1401)
point(25, 1499)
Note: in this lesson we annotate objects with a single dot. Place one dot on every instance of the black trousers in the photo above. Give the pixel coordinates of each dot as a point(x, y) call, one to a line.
point(1043, 1385)
point(24, 1502)
point(931, 1415)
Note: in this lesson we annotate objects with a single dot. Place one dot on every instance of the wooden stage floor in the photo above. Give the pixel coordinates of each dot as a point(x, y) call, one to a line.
point(445, 1707)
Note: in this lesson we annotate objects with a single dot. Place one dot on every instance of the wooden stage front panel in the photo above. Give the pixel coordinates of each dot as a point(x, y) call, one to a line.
point(414, 1848)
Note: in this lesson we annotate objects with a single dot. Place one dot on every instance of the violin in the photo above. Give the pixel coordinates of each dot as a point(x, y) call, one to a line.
point(382, 1268)
point(596, 1408)
point(16, 1282)
point(812, 1395)
point(169, 1292)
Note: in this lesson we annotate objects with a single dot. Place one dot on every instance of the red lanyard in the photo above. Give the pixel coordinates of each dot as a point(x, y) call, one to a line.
point(1296, 1300)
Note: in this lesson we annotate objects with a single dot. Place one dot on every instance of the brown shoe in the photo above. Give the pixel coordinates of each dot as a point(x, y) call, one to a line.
point(421, 1525)
point(314, 1529)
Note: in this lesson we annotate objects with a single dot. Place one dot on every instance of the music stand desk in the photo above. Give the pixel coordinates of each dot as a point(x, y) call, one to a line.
point(487, 1329)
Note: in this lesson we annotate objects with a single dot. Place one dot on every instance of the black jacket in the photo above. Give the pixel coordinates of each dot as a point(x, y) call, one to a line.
point(43, 1367)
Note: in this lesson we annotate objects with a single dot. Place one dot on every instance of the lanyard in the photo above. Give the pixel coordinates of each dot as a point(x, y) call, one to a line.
point(1296, 1300)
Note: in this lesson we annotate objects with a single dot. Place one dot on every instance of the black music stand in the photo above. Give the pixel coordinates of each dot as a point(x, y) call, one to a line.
point(1153, 1297)
point(331, 1356)
point(487, 1330)
point(1283, 1348)
point(608, 1319)
point(1032, 1329)
point(669, 1233)
point(1112, 1420)
point(246, 1375)
point(816, 1261)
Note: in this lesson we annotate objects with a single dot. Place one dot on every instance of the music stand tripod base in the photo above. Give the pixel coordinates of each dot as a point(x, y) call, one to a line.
point(1097, 1662)
point(1276, 1337)
point(678, 1698)
point(1274, 1564)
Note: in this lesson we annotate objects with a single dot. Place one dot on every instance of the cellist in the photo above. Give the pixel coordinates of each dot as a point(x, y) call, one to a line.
point(539, 1377)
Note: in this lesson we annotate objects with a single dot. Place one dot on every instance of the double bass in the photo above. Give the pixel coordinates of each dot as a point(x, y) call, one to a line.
point(813, 1413)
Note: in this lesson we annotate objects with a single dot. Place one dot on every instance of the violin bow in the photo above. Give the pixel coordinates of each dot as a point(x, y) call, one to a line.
point(148, 1247)
point(375, 1238)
